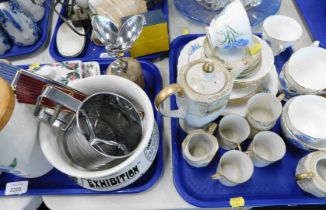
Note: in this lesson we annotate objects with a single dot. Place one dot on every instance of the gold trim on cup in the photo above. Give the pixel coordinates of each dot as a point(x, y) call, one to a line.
point(304, 176)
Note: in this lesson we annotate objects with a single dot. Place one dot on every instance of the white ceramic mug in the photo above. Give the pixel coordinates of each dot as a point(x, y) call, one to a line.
point(227, 30)
point(281, 32)
point(266, 148)
point(4, 42)
point(263, 110)
point(234, 168)
point(311, 173)
point(20, 27)
point(200, 146)
point(233, 130)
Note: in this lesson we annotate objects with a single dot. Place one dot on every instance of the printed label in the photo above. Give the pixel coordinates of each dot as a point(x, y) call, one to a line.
point(16, 188)
point(237, 202)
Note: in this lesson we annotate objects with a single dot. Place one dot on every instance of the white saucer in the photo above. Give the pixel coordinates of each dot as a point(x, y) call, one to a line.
point(192, 51)
point(270, 85)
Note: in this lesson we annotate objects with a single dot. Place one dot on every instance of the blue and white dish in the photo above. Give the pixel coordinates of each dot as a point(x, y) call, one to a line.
point(5, 44)
point(302, 122)
point(32, 9)
point(21, 28)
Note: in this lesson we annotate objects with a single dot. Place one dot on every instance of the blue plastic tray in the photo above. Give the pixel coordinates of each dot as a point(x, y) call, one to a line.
point(44, 26)
point(57, 183)
point(272, 185)
point(191, 10)
point(314, 14)
point(92, 52)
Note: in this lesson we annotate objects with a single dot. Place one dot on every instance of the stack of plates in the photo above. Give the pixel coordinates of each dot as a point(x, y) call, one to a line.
point(261, 77)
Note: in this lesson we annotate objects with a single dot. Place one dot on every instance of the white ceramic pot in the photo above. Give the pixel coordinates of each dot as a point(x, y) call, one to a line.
point(20, 152)
point(281, 32)
point(227, 30)
point(21, 28)
point(311, 174)
point(120, 175)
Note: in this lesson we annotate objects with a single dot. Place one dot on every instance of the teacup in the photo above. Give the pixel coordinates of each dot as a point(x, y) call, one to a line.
point(200, 146)
point(227, 30)
point(5, 42)
point(233, 130)
point(21, 28)
point(234, 168)
point(266, 148)
point(310, 173)
point(281, 32)
point(304, 117)
point(263, 110)
point(296, 80)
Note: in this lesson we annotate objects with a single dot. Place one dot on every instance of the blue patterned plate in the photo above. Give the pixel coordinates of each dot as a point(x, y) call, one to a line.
point(195, 12)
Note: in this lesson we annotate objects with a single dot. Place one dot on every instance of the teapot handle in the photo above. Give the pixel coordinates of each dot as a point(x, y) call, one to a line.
point(167, 92)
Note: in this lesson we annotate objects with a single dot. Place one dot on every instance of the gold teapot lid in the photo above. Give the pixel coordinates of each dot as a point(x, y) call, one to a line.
point(7, 102)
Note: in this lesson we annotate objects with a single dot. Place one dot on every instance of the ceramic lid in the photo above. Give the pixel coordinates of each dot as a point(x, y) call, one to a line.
point(205, 78)
point(7, 102)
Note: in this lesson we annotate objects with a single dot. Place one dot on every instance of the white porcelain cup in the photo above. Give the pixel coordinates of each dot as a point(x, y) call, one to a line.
point(263, 110)
point(228, 30)
point(233, 130)
point(281, 32)
point(200, 146)
point(20, 27)
point(266, 148)
point(234, 168)
point(32, 8)
point(311, 173)
point(302, 80)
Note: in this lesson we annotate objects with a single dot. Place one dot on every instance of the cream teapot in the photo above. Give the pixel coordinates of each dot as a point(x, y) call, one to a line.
point(202, 92)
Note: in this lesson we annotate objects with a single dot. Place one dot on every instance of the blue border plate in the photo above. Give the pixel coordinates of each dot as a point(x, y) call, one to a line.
point(272, 185)
point(57, 183)
point(191, 10)
point(44, 26)
point(92, 52)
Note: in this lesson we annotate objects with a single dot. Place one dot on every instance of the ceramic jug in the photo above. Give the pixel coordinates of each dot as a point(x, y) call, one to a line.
point(202, 92)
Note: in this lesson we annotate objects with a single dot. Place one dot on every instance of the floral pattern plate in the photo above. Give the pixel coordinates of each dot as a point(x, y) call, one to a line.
point(68, 71)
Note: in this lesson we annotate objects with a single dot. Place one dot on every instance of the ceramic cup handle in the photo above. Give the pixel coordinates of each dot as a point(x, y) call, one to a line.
point(304, 176)
point(166, 93)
